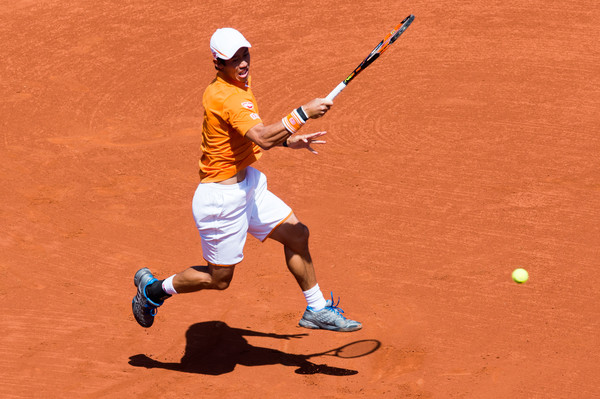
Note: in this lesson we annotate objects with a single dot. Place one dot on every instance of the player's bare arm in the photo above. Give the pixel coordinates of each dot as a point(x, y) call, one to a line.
point(277, 133)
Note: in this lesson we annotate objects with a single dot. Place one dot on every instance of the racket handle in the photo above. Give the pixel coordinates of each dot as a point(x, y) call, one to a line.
point(336, 91)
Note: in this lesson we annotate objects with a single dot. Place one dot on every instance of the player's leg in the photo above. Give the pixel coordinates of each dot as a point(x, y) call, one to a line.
point(211, 277)
point(294, 237)
point(272, 218)
point(319, 314)
point(152, 292)
point(221, 218)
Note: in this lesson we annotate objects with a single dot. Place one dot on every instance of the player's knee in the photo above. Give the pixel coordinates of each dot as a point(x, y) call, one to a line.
point(220, 277)
point(222, 285)
point(301, 234)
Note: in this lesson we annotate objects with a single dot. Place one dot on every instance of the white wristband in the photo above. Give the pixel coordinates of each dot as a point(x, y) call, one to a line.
point(293, 121)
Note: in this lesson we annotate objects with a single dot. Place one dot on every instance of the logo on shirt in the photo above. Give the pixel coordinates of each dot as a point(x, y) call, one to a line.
point(254, 116)
point(248, 105)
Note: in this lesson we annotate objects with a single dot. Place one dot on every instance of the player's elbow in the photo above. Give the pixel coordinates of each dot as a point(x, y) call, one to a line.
point(261, 136)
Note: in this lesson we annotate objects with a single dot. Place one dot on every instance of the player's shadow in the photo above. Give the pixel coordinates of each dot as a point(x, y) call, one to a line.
point(214, 348)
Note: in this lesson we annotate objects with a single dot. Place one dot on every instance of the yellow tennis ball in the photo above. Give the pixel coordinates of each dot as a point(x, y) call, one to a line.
point(520, 275)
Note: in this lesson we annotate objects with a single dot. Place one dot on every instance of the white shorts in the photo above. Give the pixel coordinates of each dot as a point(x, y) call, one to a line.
point(225, 213)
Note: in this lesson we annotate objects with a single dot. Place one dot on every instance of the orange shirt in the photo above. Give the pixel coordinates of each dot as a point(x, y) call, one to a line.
point(229, 112)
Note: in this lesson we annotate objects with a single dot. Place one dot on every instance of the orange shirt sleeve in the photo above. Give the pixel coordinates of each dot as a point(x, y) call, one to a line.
point(241, 112)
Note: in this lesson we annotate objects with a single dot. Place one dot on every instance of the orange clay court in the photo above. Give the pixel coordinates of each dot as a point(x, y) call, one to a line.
point(469, 149)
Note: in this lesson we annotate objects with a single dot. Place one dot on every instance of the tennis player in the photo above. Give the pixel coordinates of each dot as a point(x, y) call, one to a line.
point(232, 198)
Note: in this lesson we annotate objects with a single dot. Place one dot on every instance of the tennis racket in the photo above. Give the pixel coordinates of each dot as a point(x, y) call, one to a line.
point(377, 51)
point(351, 350)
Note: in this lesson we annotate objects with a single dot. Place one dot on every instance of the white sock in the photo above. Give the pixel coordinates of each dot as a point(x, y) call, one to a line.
point(167, 286)
point(314, 298)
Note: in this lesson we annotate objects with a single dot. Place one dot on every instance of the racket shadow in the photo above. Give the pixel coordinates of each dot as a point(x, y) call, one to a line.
point(214, 348)
point(352, 350)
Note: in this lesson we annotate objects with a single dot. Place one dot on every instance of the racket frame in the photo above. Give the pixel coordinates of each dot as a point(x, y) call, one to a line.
point(373, 55)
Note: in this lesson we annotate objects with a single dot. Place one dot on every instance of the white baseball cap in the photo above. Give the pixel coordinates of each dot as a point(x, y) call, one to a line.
point(225, 42)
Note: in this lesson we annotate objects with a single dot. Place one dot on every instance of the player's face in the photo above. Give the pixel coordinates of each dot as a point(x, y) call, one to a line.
point(237, 68)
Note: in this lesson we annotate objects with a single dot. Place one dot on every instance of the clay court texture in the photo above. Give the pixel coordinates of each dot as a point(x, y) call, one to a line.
point(470, 148)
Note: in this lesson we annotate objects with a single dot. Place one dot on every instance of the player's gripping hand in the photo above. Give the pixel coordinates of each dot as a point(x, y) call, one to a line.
point(299, 141)
point(317, 107)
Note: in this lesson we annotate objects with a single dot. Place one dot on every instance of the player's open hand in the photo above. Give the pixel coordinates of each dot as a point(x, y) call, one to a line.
point(299, 141)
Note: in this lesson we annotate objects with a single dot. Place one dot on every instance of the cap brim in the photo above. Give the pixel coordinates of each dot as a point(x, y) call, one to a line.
point(222, 55)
